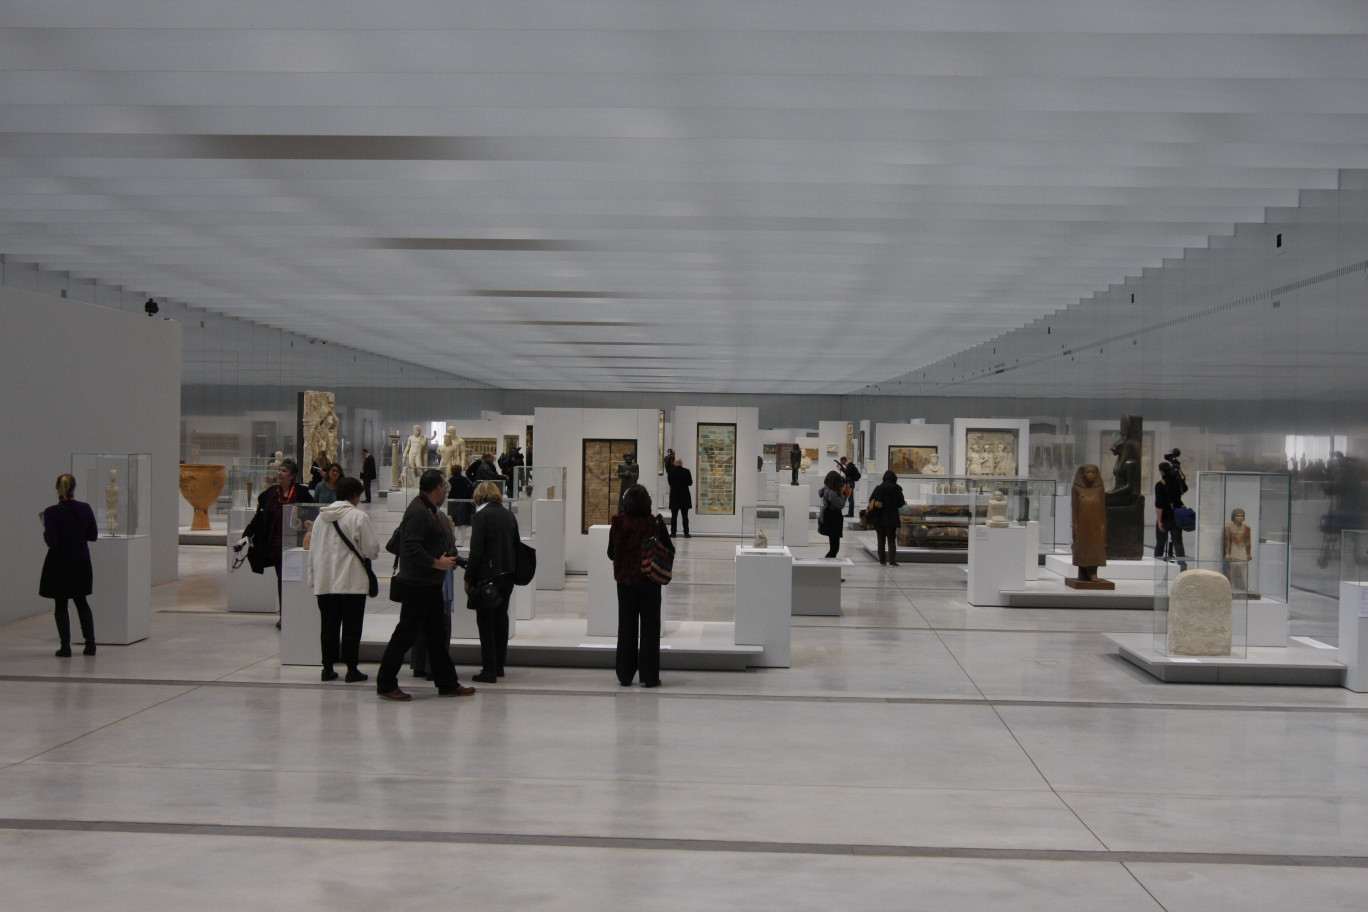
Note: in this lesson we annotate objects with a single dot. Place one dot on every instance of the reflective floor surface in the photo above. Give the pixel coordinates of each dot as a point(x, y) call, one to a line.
point(919, 754)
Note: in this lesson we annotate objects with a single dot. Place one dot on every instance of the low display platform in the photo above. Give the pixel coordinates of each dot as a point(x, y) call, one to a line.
point(565, 643)
point(1142, 569)
point(216, 534)
point(1296, 664)
point(867, 539)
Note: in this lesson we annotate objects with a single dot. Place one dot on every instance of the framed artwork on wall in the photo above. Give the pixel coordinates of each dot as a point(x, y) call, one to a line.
point(600, 488)
point(716, 469)
point(510, 441)
point(910, 460)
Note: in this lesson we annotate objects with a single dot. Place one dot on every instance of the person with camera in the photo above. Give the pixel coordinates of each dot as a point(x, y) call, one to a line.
point(1168, 497)
point(427, 551)
point(852, 474)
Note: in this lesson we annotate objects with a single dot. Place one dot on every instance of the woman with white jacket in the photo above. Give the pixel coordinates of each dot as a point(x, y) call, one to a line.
point(339, 579)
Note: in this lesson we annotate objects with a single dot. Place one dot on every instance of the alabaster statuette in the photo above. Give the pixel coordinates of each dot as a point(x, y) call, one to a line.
point(997, 510)
point(112, 503)
point(761, 539)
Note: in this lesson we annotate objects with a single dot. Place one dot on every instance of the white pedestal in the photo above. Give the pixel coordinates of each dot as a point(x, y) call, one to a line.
point(397, 502)
point(602, 587)
point(1032, 549)
point(120, 604)
point(1353, 635)
point(299, 620)
point(817, 585)
point(996, 563)
point(794, 500)
point(764, 599)
point(248, 592)
point(550, 544)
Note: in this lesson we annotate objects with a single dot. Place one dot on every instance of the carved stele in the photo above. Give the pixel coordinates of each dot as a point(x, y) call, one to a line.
point(320, 426)
point(1199, 614)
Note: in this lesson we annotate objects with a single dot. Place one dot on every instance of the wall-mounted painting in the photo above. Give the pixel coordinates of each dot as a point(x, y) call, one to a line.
point(990, 451)
point(600, 488)
point(510, 442)
point(910, 460)
point(716, 469)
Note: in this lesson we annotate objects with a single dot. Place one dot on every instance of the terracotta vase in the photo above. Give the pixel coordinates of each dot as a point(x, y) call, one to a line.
point(201, 485)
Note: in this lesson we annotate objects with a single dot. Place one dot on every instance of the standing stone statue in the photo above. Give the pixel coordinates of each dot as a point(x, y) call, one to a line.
point(452, 453)
point(628, 472)
point(112, 503)
point(1089, 529)
point(1236, 553)
point(395, 463)
point(1126, 500)
point(795, 462)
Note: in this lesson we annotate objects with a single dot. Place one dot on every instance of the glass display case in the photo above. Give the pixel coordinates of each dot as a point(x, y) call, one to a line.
point(1354, 557)
point(248, 476)
point(1200, 614)
point(1244, 521)
point(940, 508)
point(296, 524)
point(118, 487)
point(539, 483)
point(767, 518)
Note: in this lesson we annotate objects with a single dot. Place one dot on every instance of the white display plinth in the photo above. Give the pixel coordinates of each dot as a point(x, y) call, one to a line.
point(996, 564)
point(1266, 623)
point(121, 602)
point(248, 592)
point(549, 541)
point(602, 588)
point(1032, 549)
point(764, 600)
point(299, 620)
point(1353, 634)
point(794, 500)
point(1142, 569)
point(397, 502)
point(817, 585)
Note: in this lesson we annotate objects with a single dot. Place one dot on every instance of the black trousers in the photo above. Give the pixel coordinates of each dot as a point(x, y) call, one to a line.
point(367, 483)
point(1161, 541)
point(887, 534)
point(340, 619)
point(674, 520)
point(638, 612)
point(835, 544)
point(63, 619)
point(421, 610)
point(493, 627)
point(418, 655)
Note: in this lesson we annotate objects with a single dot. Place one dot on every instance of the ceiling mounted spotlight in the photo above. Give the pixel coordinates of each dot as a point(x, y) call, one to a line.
point(151, 308)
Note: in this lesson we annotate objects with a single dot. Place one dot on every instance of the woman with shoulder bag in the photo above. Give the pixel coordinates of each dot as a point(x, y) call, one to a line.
point(833, 506)
point(342, 545)
point(491, 561)
point(638, 597)
point(884, 504)
point(67, 575)
point(264, 531)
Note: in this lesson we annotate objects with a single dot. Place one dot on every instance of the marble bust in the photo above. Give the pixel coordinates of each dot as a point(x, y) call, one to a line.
point(933, 466)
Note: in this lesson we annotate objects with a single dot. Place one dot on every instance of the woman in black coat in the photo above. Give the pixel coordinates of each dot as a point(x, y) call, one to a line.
point(67, 527)
point(681, 480)
point(888, 495)
point(493, 556)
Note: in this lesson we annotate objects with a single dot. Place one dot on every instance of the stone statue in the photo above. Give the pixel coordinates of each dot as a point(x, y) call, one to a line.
point(795, 462)
point(1237, 552)
point(1126, 500)
point(416, 449)
point(997, 510)
point(628, 472)
point(933, 466)
point(319, 424)
point(451, 455)
point(761, 539)
point(112, 503)
point(1089, 529)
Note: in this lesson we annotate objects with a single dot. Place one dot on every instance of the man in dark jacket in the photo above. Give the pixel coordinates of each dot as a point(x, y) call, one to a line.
point(367, 472)
point(427, 550)
point(487, 470)
point(680, 480)
point(1168, 496)
point(493, 556)
point(852, 475)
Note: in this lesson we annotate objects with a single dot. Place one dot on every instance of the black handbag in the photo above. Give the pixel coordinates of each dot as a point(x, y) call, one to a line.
point(484, 595)
point(372, 584)
point(526, 565)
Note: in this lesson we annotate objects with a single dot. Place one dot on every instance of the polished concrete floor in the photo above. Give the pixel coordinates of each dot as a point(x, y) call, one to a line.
point(919, 754)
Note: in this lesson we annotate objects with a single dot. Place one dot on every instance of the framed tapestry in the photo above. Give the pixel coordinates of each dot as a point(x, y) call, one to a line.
point(716, 469)
point(990, 451)
point(601, 487)
point(910, 460)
